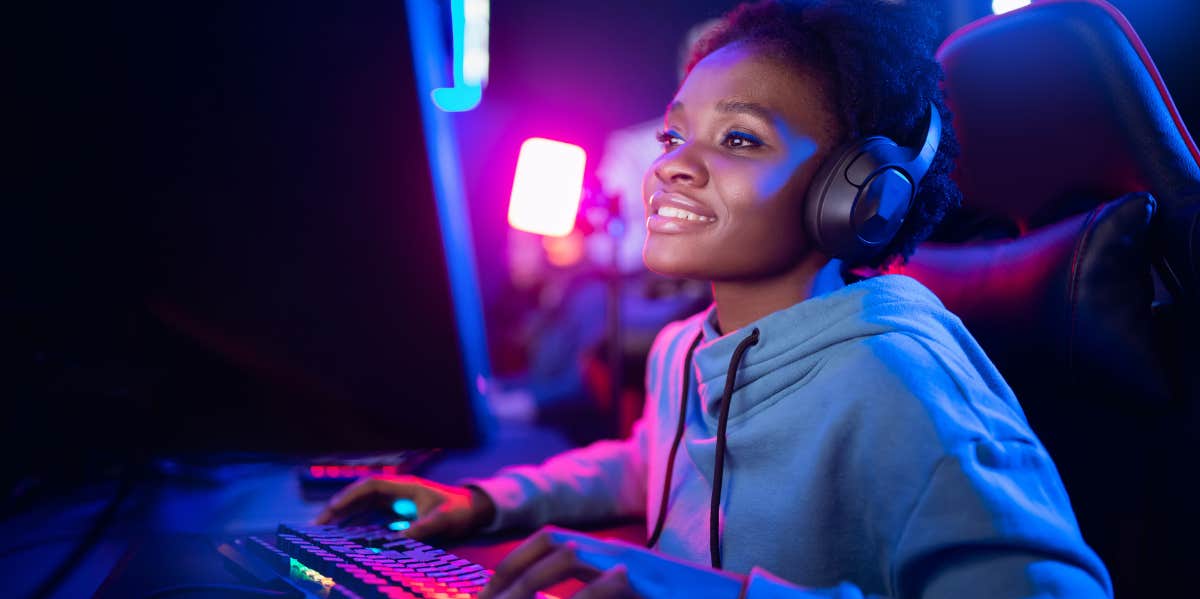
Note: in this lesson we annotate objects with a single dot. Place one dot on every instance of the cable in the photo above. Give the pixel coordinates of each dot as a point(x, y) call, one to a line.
point(231, 589)
point(93, 535)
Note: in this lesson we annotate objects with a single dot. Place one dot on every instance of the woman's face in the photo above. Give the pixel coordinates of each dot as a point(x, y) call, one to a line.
point(742, 140)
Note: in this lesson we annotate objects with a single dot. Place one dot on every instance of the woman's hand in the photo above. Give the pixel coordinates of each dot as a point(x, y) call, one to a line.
point(613, 568)
point(442, 510)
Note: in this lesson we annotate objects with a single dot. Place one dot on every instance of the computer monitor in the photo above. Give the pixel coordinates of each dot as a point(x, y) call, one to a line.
point(239, 247)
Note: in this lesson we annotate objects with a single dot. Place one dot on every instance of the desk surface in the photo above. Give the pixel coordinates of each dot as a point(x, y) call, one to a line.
point(182, 513)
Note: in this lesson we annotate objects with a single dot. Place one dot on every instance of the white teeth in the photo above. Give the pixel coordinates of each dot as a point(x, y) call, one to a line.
point(680, 213)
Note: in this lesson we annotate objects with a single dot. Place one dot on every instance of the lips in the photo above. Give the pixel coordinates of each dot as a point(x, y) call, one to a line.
point(674, 213)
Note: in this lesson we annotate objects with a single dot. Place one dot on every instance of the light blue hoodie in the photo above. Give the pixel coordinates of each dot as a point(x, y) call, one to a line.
point(872, 449)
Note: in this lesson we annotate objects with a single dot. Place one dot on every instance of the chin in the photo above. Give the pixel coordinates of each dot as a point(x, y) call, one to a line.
point(672, 260)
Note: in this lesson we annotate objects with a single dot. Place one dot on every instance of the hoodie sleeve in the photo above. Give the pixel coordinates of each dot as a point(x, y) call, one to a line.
point(606, 479)
point(990, 520)
point(974, 504)
point(992, 523)
point(995, 521)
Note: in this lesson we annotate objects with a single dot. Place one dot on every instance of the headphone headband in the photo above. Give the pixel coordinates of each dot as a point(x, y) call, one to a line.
point(923, 158)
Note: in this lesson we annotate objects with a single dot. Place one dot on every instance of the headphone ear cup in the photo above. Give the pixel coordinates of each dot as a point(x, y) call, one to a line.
point(854, 198)
point(881, 207)
point(830, 199)
point(861, 195)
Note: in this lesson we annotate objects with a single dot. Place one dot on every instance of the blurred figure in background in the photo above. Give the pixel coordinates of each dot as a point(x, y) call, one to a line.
point(566, 380)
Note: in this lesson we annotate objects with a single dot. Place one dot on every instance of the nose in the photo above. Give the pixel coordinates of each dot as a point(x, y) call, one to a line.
point(681, 166)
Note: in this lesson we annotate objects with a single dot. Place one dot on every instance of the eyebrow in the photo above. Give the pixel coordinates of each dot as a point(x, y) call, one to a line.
point(741, 107)
point(733, 107)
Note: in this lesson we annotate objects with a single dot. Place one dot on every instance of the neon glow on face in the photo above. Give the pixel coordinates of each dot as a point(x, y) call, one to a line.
point(740, 147)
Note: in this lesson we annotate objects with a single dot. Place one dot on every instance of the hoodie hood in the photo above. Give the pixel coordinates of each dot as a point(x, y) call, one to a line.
point(799, 336)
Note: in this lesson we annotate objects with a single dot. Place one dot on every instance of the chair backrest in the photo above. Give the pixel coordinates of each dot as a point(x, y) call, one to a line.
point(1069, 135)
point(1059, 107)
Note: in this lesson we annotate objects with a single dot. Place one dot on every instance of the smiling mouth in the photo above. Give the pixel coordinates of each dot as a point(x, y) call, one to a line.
point(681, 214)
point(672, 213)
point(673, 220)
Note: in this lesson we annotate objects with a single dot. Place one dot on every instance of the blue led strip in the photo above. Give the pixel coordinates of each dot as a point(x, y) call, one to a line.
point(466, 91)
point(424, 25)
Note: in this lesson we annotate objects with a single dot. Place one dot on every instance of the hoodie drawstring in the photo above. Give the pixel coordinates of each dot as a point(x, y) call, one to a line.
point(683, 397)
point(714, 521)
point(714, 514)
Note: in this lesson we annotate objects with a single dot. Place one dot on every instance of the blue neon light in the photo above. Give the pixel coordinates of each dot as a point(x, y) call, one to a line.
point(428, 60)
point(468, 90)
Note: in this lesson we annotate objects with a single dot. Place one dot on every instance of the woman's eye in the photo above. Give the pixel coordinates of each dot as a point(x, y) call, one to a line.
point(738, 140)
point(668, 139)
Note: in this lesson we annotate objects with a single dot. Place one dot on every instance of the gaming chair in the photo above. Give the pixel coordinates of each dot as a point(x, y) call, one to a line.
point(1075, 264)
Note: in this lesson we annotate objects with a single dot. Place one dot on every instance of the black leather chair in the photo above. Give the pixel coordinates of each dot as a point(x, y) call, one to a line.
point(1075, 264)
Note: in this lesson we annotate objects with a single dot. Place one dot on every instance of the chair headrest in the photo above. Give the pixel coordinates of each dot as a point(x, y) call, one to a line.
point(1066, 305)
point(1058, 105)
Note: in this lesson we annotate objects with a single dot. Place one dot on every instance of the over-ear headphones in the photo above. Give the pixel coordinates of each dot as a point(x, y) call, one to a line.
point(862, 192)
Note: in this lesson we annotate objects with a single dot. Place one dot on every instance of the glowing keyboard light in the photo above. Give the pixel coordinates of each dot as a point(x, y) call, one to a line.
point(1002, 6)
point(405, 508)
point(299, 571)
point(547, 187)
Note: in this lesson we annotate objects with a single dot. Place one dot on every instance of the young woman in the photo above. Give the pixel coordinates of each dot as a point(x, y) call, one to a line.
point(801, 433)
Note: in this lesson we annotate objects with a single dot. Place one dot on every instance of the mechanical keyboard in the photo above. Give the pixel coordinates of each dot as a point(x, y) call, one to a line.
point(359, 562)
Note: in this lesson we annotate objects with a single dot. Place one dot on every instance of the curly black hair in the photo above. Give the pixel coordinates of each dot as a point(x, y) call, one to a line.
point(876, 58)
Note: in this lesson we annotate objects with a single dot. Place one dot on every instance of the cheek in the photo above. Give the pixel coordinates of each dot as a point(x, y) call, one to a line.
point(791, 170)
point(647, 183)
point(779, 192)
point(765, 218)
point(762, 199)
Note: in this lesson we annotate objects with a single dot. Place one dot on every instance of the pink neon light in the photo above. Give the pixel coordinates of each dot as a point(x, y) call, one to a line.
point(317, 471)
point(547, 187)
